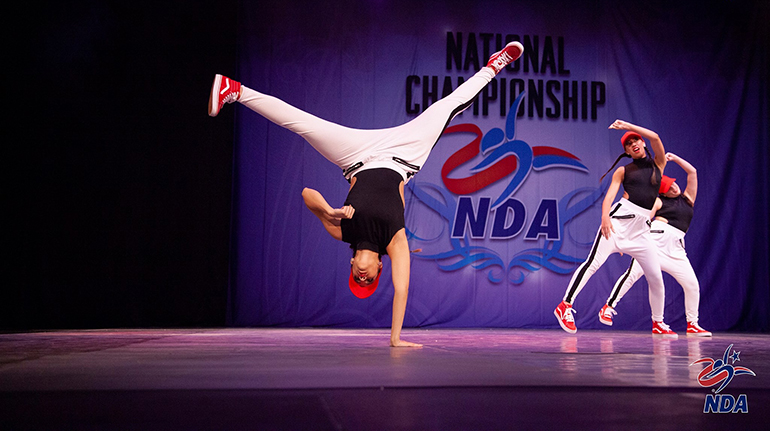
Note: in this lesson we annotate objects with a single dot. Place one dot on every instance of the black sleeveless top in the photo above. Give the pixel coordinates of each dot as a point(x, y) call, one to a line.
point(379, 210)
point(677, 211)
point(641, 181)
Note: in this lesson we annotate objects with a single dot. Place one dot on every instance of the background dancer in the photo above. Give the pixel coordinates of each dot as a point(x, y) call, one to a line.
point(624, 227)
point(673, 214)
point(377, 163)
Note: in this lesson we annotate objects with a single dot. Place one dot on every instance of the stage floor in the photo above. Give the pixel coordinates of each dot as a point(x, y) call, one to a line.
point(350, 379)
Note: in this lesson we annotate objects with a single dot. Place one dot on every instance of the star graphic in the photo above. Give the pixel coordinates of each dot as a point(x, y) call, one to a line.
point(735, 356)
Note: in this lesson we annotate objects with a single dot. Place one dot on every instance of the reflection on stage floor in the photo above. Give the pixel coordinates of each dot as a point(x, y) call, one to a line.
point(271, 378)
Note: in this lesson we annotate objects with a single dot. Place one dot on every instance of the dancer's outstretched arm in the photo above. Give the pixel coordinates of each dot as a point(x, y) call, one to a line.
point(330, 217)
point(398, 250)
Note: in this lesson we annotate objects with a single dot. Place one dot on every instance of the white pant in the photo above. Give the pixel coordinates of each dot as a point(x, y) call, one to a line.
point(346, 147)
point(631, 236)
point(673, 260)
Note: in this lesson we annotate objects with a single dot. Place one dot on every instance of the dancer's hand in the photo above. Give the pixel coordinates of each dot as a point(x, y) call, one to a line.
point(402, 343)
point(619, 125)
point(607, 228)
point(345, 212)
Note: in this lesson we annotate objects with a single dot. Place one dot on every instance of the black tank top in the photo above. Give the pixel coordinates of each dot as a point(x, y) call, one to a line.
point(677, 211)
point(379, 210)
point(641, 181)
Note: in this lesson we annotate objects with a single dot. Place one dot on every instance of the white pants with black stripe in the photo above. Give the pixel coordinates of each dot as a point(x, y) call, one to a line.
point(631, 236)
point(411, 142)
point(673, 260)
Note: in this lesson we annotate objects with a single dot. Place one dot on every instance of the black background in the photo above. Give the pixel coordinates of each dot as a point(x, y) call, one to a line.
point(117, 183)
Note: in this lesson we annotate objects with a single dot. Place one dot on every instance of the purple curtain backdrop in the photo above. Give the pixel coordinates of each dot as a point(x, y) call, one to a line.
point(502, 255)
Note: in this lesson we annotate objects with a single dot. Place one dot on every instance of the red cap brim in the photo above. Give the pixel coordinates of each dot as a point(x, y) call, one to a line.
point(363, 291)
point(665, 184)
point(629, 135)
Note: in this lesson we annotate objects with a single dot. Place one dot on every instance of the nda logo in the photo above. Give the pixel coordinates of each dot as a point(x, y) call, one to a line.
point(504, 157)
point(721, 372)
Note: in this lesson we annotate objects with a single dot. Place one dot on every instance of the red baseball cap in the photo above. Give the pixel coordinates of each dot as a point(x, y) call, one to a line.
point(665, 184)
point(363, 291)
point(629, 135)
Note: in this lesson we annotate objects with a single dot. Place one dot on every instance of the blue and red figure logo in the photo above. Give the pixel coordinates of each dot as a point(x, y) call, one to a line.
point(503, 155)
point(721, 370)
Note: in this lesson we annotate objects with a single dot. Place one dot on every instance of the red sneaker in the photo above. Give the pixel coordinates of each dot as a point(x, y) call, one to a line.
point(605, 316)
point(224, 90)
point(564, 314)
point(506, 56)
point(693, 330)
point(661, 330)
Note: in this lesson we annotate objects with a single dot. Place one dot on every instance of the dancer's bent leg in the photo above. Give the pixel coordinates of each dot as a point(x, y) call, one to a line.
point(624, 283)
point(648, 260)
point(682, 271)
point(600, 251)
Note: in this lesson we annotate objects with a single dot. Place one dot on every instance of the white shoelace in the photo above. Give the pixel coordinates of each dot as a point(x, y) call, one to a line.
point(568, 314)
point(663, 326)
point(608, 312)
point(230, 98)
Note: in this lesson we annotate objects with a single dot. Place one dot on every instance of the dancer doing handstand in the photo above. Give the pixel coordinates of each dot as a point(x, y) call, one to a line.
point(377, 163)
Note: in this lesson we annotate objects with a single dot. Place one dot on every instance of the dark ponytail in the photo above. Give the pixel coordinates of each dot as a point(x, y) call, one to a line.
point(657, 175)
point(613, 165)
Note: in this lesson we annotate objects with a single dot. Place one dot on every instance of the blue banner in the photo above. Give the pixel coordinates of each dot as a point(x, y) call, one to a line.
point(509, 201)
